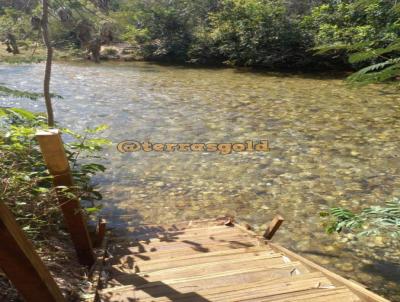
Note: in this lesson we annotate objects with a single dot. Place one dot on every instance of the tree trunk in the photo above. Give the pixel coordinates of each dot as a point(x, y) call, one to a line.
point(47, 75)
point(11, 43)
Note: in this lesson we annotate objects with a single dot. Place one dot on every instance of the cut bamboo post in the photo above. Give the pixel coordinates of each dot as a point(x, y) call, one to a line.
point(273, 227)
point(56, 161)
point(22, 265)
point(100, 232)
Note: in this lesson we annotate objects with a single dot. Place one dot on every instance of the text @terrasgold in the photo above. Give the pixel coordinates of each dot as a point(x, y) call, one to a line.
point(131, 146)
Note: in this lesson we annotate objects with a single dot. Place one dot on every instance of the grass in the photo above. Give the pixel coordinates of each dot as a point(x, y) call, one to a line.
point(29, 54)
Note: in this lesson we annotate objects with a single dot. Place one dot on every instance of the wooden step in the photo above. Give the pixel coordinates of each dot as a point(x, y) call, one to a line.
point(218, 276)
point(203, 268)
point(243, 280)
point(130, 263)
point(156, 243)
point(198, 244)
point(179, 249)
point(131, 232)
point(178, 234)
point(211, 281)
point(314, 295)
point(272, 289)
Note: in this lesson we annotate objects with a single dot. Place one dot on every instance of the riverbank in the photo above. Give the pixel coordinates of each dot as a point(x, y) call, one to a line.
point(124, 52)
point(37, 53)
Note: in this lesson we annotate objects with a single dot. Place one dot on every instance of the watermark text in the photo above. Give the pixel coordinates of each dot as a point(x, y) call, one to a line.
point(130, 146)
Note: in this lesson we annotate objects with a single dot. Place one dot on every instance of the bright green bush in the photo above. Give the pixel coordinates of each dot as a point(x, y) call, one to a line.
point(375, 220)
point(26, 186)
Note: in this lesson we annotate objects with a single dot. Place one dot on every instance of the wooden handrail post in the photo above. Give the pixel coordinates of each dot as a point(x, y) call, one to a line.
point(56, 161)
point(22, 265)
point(100, 232)
point(273, 227)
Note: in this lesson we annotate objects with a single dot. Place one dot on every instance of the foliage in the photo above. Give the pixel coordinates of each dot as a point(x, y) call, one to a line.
point(16, 22)
point(370, 221)
point(256, 33)
point(161, 30)
point(234, 32)
point(268, 33)
point(385, 64)
point(26, 185)
point(365, 32)
point(361, 35)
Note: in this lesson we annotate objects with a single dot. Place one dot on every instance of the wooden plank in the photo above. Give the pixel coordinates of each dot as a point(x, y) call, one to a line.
point(268, 271)
point(196, 256)
point(181, 234)
point(358, 289)
point(196, 283)
point(194, 241)
point(362, 292)
point(56, 161)
point(276, 292)
point(317, 295)
point(273, 227)
point(158, 289)
point(21, 263)
point(196, 268)
point(230, 291)
point(149, 266)
point(174, 227)
point(327, 295)
point(294, 287)
point(167, 253)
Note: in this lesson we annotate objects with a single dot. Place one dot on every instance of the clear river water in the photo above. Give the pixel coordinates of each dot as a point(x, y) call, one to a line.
point(331, 145)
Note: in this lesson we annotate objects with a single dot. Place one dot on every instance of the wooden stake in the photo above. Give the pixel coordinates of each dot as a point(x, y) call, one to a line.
point(22, 265)
point(273, 227)
point(100, 232)
point(54, 156)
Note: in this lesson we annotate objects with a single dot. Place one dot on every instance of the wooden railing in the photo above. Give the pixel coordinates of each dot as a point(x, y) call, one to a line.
point(56, 161)
point(21, 263)
point(18, 258)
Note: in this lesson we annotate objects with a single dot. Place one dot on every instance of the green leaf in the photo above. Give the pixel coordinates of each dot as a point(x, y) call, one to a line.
point(42, 190)
point(92, 210)
point(97, 129)
point(373, 53)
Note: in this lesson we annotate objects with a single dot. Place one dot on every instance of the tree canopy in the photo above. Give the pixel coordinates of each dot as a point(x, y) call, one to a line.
point(275, 34)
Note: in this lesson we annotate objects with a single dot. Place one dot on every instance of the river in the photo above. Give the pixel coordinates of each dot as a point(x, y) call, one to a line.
point(331, 145)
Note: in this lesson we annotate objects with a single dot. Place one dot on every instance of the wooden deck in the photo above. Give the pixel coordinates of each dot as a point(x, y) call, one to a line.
point(209, 261)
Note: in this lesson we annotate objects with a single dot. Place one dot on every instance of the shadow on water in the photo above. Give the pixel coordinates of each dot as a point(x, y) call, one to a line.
point(388, 270)
point(151, 67)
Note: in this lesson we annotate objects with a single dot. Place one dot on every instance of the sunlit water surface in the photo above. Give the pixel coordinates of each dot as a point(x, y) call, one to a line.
point(330, 146)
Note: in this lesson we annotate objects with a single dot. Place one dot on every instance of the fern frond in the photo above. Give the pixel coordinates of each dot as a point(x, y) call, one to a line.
point(363, 78)
point(373, 53)
point(341, 46)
